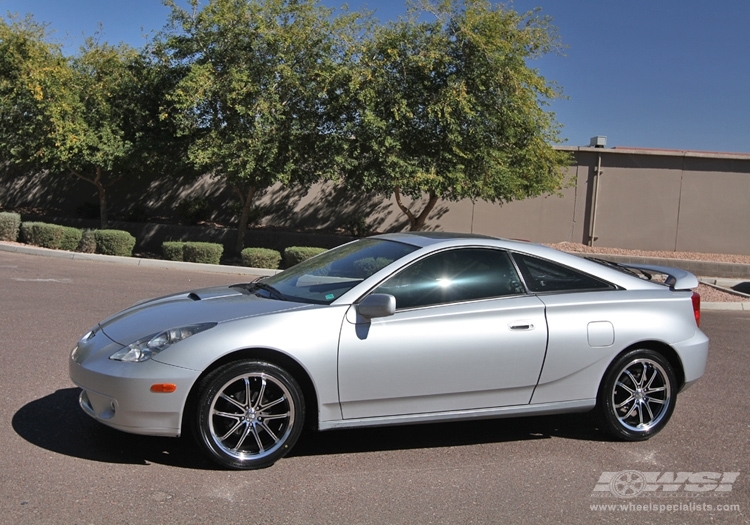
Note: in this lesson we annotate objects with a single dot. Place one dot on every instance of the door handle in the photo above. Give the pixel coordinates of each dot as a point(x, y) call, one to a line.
point(521, 325)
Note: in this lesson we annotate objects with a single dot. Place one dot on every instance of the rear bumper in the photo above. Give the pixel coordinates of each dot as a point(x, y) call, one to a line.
point(693, 353)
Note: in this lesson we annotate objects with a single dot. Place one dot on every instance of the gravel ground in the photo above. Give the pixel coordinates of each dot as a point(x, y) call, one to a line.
point(691, 256)
point(708, 294)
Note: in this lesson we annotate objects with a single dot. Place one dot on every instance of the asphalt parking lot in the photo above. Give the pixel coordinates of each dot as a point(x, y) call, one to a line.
point(59, 466)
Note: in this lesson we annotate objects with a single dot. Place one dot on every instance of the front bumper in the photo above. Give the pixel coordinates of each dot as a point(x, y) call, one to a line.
point(119, 394)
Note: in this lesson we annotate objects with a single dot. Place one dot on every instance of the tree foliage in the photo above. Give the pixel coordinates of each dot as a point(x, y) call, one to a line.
point(254, 98)
point(442, 104)
point(93, 115)
point(446, 106)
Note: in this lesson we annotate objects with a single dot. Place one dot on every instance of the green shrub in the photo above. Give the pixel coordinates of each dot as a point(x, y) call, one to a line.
point(260, 258)
point(172, 250)
point(41, 234)
point(10, 224)
point(51, 236)
point(202, 252)
point(71, 237)
point(114, 242)
point(296, 254)
point(87, 243)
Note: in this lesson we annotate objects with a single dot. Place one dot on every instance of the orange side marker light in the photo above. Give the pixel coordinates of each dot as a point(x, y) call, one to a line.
point(163, 388)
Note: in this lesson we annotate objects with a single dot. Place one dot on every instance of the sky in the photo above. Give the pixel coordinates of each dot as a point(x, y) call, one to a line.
point(666, 74)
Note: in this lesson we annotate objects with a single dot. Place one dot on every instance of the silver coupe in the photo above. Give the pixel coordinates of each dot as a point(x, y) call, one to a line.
point(397, 329)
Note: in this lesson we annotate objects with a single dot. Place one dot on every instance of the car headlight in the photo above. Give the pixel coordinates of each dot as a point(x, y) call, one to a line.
point(148, 347)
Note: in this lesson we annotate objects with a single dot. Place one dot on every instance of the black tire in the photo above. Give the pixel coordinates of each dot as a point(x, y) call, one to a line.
point(637, 396)
point(239, 433)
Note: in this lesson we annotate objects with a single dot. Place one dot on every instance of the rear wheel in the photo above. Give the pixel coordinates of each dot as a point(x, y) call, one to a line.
point(637, 396)
point(249, 414)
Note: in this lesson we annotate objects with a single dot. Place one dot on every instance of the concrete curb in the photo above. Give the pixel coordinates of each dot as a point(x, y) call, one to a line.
point(241, 270)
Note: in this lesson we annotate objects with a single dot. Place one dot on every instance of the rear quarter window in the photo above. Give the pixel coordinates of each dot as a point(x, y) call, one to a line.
point(542, 275)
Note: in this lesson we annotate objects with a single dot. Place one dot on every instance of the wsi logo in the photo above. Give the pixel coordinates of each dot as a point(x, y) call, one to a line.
point(631, 483)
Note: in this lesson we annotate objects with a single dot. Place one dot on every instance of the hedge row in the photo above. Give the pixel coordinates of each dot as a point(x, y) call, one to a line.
point(10, 224)
point(56, 237)
point(197, 252)
point(51, 236)
point(114, 242)
point(121, 243)
point(260, 258)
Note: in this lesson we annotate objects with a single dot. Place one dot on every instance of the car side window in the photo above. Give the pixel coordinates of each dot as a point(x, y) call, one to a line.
point(545, 276)
point(454, 276)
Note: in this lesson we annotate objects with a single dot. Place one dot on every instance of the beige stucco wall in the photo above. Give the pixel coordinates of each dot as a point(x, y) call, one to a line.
point(647, 199)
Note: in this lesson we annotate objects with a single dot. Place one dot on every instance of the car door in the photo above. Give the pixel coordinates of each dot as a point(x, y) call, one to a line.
point(464, 336)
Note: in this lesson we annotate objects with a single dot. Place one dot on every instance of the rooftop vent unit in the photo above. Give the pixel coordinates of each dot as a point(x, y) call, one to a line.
point(599, 141)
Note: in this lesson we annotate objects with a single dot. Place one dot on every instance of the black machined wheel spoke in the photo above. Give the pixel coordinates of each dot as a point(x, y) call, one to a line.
point(231, 431)
point(248, 392)
point(259, 400)
point(266, 417)
point(261, 448)
point(629, 390)
point(269, 431)
point(233, 401)
point(650, 413)
point(628, 400)
point(238, 446)
point(229, 415)
point(272, 403)
point(633, 379)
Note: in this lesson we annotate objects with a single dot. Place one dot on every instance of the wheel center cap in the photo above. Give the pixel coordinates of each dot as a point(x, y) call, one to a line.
point(640, 395)
point(251, 414)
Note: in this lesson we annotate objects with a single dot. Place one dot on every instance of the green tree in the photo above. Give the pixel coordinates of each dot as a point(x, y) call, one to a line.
point(446, 107)
point(259, 78)
point(85, 115)
point(30, 69)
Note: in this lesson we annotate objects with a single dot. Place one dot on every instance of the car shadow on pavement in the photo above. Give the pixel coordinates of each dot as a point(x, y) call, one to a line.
point(56, 423)
point(581, 426)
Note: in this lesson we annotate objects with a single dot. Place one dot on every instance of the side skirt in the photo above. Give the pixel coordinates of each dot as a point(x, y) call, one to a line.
point(541, 409)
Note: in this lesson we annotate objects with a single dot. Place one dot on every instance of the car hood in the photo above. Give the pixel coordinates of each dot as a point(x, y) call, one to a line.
point(217, 305)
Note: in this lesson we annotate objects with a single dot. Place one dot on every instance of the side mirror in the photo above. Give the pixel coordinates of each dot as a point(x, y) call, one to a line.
point(377, 305)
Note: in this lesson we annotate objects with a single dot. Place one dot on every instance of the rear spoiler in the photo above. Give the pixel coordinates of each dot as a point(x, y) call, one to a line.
point(677, 279)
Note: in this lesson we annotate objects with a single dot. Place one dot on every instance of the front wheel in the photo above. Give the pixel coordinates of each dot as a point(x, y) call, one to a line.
point(637, 396)
point(249, 414)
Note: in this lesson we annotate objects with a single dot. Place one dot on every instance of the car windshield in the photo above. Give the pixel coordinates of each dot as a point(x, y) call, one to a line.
point(329, 275)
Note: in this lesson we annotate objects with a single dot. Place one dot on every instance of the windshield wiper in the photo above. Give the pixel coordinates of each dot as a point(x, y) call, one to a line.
point(273, 292)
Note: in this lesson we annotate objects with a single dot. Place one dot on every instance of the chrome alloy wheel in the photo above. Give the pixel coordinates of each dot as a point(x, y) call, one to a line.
point(641, 395)
point(251, 416)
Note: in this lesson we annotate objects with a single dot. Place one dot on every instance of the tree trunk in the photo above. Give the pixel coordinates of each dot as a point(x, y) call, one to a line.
point(103, 218)
point(416, 222)
point(247, 204)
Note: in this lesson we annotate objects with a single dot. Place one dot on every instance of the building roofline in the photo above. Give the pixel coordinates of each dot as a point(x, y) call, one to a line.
point(658, 152)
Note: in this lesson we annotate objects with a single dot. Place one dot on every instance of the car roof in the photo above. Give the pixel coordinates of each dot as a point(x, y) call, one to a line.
point(423, 239)
point(440, 240)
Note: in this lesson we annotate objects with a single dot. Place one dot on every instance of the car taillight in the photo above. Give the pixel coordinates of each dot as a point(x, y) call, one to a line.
point(697, 307)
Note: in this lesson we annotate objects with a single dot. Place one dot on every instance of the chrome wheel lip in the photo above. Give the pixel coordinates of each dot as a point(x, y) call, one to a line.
point(250, 418)
point(642, 390)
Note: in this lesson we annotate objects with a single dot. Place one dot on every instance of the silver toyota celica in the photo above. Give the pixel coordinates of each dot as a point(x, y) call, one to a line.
point(397, 329)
